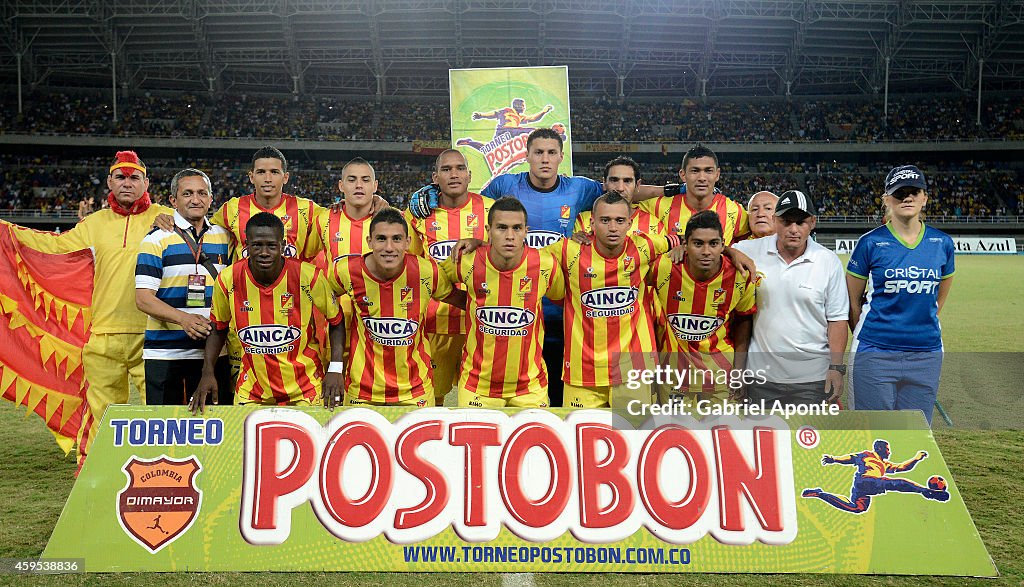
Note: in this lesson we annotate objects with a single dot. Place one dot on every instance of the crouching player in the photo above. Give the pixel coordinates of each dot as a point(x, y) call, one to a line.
point(607, 313)
point(505, 283)
point(268, 300)
point(389, 289)
point(708, 307)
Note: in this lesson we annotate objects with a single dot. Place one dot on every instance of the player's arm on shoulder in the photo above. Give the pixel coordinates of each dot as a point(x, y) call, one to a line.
point(648, 192)
point(660, 243)
point(220, 217)
point(742, 262)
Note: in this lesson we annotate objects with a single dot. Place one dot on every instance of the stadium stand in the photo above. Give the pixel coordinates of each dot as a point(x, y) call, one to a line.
point(603, 120)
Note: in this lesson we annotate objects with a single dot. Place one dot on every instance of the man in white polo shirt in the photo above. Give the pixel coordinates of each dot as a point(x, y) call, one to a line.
point(800, 329)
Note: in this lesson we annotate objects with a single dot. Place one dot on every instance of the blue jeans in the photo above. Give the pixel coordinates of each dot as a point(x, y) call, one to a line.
point(895, 380)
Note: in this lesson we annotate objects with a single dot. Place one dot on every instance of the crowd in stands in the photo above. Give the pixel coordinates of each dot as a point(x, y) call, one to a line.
point(603, 120)
point(958, 189)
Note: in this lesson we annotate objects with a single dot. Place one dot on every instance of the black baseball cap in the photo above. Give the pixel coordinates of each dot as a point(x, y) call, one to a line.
point(795, 200)
point(904, 176)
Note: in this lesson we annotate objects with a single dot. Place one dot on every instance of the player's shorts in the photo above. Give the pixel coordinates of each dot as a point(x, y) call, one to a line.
point(446, 360)
point(424, 401)
point(270, 401)
point(534, 399)
point(604, 396)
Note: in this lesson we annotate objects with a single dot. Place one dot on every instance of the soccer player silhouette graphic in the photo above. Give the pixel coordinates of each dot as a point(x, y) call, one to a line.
point(156, 525)
point(870, 479)
point(513, 120)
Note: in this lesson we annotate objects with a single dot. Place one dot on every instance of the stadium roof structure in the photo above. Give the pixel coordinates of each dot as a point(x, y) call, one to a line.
point(612, 47)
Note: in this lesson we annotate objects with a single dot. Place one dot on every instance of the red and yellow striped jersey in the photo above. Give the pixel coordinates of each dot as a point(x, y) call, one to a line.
point(340, 235)
point(607, 316)
point(389, 359)
point(674, 213)
point(435, 236)
point(506, 321)
point(275, 325)
point(297, 214)
point(698, 315)
point(644, 222)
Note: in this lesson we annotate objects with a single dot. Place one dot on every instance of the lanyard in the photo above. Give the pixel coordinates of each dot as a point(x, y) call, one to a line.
point(196, 248)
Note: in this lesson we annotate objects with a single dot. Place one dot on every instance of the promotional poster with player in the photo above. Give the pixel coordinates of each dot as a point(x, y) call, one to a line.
point(494, 111)
point(435, 489)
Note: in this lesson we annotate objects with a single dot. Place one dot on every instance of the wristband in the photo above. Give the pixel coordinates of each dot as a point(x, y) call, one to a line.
point(336, 367)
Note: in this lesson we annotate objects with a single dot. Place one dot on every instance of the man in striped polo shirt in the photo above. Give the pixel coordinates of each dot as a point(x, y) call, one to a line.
point(174, 278)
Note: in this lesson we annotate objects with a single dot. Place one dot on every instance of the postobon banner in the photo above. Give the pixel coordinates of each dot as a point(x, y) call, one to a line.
point(486, 490)
point(494, 110)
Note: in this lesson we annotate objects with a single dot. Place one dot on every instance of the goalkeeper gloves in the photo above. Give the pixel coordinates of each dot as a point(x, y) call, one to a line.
point(423, 201)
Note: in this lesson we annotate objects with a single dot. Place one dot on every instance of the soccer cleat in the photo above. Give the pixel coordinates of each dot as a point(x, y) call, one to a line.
point(811, 492)
point(942, 495)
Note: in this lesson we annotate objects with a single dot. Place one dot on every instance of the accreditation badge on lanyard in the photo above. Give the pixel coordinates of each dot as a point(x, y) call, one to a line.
point(196, 293)
point(196, 296)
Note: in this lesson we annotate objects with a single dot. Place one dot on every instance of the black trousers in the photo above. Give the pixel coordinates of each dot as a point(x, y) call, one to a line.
point(170, 382)
point(554, 347)
point(788, 393)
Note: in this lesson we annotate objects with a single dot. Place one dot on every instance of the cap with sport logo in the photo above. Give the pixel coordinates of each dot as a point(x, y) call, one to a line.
point(795, 200)
point(904, 176)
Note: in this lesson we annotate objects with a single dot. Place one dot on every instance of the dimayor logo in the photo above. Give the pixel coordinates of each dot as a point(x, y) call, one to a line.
point(609, 301)
point(512, 126)
point(268, 339)
point(538, 239)
point(391, 331)
point(160, 501)
point(693, 326)
point(504, 320)
point(441, 250)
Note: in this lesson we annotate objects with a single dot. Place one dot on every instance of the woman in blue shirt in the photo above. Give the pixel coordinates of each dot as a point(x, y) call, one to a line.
point(907, 269)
